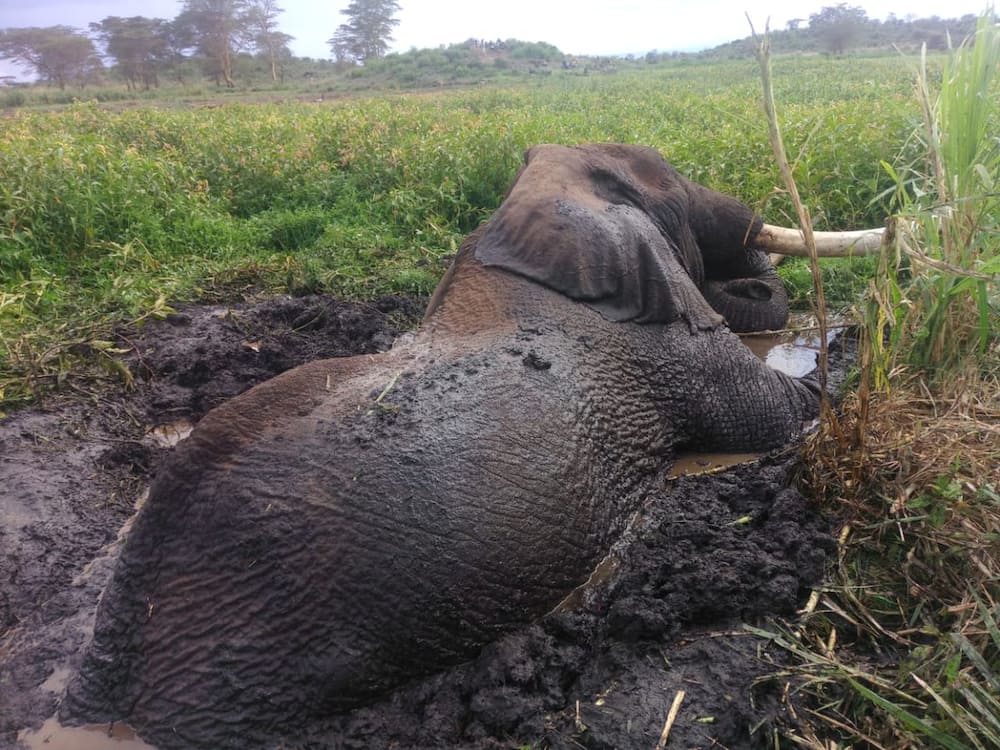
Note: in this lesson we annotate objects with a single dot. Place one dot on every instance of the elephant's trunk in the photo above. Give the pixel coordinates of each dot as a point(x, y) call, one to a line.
point(785, 241)
point(754, 303)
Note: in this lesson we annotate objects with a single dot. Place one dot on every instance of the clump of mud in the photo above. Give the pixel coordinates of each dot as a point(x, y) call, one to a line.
point(199, 357)
point(707, 554)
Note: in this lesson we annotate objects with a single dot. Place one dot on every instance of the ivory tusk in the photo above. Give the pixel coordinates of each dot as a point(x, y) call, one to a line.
point(785, 241)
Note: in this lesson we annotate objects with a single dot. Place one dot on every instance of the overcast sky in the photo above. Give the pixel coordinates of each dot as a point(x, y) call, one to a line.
point(582, 27)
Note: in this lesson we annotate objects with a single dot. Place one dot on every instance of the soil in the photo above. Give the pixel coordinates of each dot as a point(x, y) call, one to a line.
point(708, 554)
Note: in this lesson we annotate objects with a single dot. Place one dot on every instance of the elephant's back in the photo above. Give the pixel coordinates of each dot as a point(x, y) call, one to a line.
point(389, 518)
point(463, 488)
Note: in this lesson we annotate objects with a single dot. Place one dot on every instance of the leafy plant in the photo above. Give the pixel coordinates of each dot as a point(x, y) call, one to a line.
point(948, 224)
point(901, 648)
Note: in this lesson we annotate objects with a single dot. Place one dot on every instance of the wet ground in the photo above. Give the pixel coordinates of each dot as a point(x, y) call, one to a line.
point(661, 622)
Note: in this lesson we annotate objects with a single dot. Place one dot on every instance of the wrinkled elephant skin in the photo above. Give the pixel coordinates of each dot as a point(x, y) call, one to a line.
point(357, 522)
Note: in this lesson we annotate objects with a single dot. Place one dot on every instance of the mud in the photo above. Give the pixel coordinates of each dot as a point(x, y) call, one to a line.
point(707, 554)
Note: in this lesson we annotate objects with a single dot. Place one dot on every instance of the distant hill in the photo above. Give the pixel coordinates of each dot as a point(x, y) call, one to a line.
point(469, 61)
point(853, 32)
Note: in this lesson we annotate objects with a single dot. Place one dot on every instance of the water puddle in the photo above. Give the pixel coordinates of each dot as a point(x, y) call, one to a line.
point(169, 435)
point(691, 464)
point(793, 351)
point(54, 736)
point(57, 681)
point(602, 576)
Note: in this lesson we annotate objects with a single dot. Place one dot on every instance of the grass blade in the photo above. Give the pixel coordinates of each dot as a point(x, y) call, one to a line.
point(911, 721)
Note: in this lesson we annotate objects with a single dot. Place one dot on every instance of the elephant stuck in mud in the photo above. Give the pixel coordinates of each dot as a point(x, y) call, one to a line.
point(358, 522)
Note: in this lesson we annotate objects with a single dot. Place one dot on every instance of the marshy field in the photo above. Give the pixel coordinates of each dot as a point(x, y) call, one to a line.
point(115, 219)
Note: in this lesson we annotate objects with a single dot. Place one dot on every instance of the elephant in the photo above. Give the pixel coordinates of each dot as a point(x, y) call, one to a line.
point(356, 523)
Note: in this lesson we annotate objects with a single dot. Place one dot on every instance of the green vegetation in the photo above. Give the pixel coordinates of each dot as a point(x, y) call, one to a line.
point(107, 214)
point(846, 29)
point(901, 647)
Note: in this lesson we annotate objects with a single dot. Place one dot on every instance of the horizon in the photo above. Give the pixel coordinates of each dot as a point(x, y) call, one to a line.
point(635, 28)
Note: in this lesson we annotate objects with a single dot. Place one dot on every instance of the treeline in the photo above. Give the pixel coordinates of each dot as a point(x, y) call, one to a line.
point(207, 37)
point(843, 28)
point(472, 60)
point(215, 36)
point(226, 40)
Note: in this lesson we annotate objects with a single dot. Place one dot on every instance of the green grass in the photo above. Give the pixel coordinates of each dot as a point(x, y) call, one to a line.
point(949, 218)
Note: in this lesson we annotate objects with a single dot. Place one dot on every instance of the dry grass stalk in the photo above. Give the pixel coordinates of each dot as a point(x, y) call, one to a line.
point(904, 647)
point(805, 221)
point(915, 474)
point(675, 708)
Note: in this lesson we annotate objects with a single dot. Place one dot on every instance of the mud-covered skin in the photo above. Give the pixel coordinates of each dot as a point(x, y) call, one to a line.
point(72, 468)
point(694, 572)
point(707, 554)
point(355, 523)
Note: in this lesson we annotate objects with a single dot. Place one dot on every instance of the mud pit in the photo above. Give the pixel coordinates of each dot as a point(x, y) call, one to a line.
point(709, 553)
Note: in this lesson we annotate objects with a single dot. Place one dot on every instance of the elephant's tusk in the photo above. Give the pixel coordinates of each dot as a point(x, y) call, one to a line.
point(785, 241)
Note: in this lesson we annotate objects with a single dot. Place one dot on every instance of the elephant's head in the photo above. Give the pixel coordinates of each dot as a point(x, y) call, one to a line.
point(615, 226)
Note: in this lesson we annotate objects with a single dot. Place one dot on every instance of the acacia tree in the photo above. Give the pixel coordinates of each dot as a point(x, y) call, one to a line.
point(262, 22)
point(138, 45)
point(367, 32)
point(59, 54)
point(838, 26)
point(179, 40)
point(217, 29)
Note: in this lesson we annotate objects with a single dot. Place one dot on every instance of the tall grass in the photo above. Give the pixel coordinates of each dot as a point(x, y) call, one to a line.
point(948, 225)
point(901, 648)
point(104, 214)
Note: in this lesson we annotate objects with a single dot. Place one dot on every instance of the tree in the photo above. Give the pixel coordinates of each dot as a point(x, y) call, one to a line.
point(59, 54)
point(217, 29)
point(179, 39)
point(262, 22)
point(139, 46)
point(368, 31)
point(838, 26)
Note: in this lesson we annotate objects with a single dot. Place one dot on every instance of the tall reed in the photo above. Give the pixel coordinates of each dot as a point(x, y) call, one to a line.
point(936, 301)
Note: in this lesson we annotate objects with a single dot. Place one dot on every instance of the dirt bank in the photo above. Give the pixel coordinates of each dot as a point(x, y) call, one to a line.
point(710, 553)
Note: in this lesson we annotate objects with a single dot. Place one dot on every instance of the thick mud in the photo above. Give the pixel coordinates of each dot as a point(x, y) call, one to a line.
point(663, 614)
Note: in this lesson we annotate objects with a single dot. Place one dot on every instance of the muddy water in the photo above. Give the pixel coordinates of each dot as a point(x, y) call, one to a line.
point(793, 351)
point(690, 464)
point(54, 736)
point(170, 434)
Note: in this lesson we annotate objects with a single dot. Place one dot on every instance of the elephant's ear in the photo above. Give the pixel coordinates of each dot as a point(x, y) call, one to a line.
point(554, 229)
point(725, 230)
